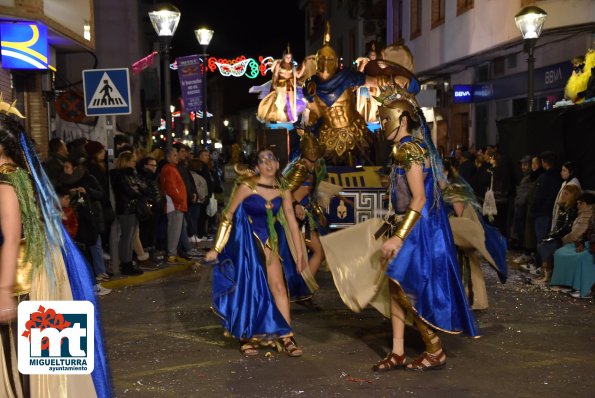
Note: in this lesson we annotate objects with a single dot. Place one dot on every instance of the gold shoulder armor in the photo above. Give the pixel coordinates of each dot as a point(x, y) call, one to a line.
point(295, 177)
point(249, 181)
point(408, 153)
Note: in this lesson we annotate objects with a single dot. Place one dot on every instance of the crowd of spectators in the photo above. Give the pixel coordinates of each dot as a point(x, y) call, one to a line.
point(543, 212)
point(150, 206)
point(162, 207)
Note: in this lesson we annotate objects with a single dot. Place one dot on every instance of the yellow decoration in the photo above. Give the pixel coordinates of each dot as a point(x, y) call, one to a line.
point(577, 82)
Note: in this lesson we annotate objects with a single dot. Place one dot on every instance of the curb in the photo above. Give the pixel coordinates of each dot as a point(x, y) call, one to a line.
point(147, 276)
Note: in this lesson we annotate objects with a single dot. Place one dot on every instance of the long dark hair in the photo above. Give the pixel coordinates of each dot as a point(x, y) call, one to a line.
point(10, 129)
point(571, 170)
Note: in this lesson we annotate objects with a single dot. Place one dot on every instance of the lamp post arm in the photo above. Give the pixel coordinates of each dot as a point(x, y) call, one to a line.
point(204, 98)
point(164, 41)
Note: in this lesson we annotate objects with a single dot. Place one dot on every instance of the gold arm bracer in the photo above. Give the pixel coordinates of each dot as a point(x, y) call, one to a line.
point(409, 220)
point(223, 233)
point(296, 176)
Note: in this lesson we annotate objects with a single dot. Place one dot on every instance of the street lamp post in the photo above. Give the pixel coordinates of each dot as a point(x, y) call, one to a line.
point(530, 21)
point(204, 36)
point(165, 20)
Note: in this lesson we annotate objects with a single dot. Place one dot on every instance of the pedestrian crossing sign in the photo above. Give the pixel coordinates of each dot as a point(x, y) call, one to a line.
point(107, 91)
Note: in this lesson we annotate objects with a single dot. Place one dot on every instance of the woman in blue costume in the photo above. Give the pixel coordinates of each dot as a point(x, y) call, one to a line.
point(471, 233)
point(423, 272)
point(261, 260)
point(38, 261)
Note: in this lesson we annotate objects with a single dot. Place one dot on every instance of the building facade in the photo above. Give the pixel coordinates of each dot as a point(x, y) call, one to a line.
point(472, 54)
point(60, 27)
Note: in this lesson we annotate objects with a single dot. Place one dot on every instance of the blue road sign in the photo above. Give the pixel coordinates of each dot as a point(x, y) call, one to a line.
point(107, 91)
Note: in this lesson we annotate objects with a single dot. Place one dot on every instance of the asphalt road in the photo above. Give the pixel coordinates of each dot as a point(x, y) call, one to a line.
point(164, 341)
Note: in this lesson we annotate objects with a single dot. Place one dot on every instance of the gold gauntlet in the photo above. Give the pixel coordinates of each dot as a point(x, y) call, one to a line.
point(409, 220)
point(223, 233)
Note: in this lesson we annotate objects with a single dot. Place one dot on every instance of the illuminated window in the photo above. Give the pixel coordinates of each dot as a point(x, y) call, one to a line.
point(464, 6)
point(415, 19)
point(437, 13)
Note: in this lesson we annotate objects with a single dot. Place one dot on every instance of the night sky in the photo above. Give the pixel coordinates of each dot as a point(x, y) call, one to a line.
point(241, 28)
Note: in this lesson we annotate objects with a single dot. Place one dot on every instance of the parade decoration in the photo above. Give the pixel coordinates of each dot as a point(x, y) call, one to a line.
point(237, 67)
point(143, 63)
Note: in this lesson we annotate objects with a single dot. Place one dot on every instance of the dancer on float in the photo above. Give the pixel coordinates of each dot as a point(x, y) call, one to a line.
point(262, 261)
point(44, 265)
point(331, 109)
point(285, 102)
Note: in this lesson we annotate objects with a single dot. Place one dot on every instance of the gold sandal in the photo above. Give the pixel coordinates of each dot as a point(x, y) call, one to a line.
point(392, 361)
point(248, 348)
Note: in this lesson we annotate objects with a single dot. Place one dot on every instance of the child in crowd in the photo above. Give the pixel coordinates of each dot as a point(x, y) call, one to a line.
point(71, 224)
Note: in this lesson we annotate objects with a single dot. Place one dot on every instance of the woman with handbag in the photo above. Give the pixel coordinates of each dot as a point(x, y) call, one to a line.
point(127, 192)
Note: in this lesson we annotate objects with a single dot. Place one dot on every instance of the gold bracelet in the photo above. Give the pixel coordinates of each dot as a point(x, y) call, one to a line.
point(223, 233)
point(409, 220)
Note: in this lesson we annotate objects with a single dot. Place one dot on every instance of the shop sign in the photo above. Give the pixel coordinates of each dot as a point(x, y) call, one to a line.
point(24, 45)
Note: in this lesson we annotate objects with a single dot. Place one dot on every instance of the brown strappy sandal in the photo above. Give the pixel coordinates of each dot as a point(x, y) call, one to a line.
point(428, 361)
point(291, 348)
point(391, 362)
point(248, 348)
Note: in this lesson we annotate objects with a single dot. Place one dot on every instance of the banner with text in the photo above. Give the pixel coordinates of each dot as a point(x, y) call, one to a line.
point(190, 82)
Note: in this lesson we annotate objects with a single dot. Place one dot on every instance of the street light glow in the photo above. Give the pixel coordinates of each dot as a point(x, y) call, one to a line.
point(530, 21)
point(204, 36)
point(165, 19)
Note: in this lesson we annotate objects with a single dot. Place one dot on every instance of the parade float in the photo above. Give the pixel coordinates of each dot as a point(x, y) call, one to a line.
point(339, 107)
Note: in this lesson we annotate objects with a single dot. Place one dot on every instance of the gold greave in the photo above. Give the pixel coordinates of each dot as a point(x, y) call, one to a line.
point(409, 220)
point(223, 233)
point(431, 339)
point(402, 299)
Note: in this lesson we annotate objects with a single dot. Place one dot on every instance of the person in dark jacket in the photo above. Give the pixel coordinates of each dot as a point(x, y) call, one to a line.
point(501, 185)
point(127, 191)
point(517, 229)
point(54, 164)
point(214, 186)
point(87, 194)
point(481, 179)
point(466, 168)
point(147, 173)
point(97, 167)
point(546, 189)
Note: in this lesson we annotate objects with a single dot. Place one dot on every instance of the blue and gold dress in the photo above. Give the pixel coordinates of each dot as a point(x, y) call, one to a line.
point(426, 266)
point(241, 293)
